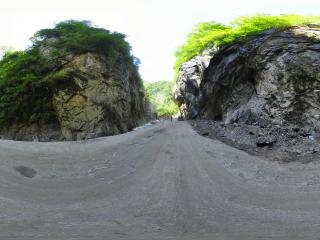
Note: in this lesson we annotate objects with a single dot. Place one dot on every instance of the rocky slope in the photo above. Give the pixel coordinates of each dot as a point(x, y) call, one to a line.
point(263, 91)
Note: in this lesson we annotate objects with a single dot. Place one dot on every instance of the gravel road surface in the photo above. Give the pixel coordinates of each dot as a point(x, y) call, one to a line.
point(162, 181)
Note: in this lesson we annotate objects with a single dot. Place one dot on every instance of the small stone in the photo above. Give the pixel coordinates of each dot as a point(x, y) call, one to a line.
point(296, 129)
point(311, 138)
point(205, 133)
point(293, 135)
point(265, 141)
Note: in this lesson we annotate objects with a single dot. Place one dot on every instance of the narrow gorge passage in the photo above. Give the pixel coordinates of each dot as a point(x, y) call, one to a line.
point(159, 182)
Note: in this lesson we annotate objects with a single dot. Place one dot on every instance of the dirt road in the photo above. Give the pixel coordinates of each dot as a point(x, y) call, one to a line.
point(159, 182)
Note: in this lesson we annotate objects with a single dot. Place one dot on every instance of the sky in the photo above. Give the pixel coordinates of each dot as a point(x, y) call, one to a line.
point(154, 28)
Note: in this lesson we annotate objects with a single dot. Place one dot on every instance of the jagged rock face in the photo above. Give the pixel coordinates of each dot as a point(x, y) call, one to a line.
point(102, 98)
point(272, 78)
point(108, 99)
point(186, 92)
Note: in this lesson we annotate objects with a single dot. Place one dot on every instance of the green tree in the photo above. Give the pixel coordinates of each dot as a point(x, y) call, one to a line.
point(5, 50)
point(210, 34)
point(159, 95)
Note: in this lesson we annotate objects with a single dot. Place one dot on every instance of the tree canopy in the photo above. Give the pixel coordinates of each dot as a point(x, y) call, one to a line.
point(210, 34)
point(159, 95)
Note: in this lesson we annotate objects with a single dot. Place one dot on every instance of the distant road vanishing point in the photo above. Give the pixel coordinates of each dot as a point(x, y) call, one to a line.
point(158, 182)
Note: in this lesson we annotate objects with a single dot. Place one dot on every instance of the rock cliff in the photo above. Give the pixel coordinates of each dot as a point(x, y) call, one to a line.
point(97, 99)
point(76, 91)
point(107, 99)
point(271, 78)
point(186, 92)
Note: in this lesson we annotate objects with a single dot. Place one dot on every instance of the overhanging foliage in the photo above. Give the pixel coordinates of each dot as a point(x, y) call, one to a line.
point(216, 34)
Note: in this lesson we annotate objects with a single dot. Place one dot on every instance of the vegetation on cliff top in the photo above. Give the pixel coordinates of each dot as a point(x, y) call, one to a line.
point(159, 95)
point(28, 79)
point(209, 34)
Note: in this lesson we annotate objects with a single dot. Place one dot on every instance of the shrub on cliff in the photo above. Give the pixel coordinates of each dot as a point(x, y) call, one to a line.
point(29, 78)
point(216, 34)
point(79, 37)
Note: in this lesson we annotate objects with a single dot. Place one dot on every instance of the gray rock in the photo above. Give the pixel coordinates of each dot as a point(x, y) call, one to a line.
point(270, 79)
point(204, 133)
point(263, 141)
point(186, 92)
